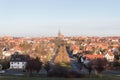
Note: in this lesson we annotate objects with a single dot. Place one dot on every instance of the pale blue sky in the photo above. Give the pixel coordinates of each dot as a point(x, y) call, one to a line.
point(72, 17)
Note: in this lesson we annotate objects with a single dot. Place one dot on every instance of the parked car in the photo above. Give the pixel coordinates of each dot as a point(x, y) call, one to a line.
point(2, 71)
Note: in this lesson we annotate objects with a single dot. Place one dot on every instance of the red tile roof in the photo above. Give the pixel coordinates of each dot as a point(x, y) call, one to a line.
point(92, 56)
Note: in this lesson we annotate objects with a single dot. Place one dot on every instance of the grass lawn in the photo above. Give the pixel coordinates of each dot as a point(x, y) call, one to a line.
point(105, 77)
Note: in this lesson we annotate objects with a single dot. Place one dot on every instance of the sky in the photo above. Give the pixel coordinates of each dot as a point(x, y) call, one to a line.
point(71, 17)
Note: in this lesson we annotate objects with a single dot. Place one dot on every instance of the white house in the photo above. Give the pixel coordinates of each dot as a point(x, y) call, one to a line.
point(18, 61)
point(109, 56)
point(6, 52)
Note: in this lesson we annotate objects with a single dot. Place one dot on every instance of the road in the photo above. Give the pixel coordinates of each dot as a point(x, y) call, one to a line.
point(74, 63)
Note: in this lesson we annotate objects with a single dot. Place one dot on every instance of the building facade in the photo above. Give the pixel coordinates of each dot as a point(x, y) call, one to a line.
point(18, 61)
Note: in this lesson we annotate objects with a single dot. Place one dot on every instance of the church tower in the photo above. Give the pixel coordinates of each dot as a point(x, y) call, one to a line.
point(59, 33)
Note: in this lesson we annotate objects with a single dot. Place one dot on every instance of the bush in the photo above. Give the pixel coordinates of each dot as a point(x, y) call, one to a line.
point(5, 63)
point(59, 71)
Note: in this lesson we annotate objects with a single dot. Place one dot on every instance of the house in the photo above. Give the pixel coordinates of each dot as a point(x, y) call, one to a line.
point(94, 56)
point(5, 53)
point(75, 49)
point(18, 61)
point(109, 56)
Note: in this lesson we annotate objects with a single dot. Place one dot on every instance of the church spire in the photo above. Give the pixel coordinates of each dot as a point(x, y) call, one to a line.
point(59, 33)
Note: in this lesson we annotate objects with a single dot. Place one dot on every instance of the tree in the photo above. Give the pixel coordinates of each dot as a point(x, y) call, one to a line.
point(98, 65)
point(25, 46)
point(5, 63)
point(33, 65)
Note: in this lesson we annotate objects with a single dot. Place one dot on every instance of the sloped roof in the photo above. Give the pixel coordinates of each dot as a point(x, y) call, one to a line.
point(19, 57)
point(92, 56)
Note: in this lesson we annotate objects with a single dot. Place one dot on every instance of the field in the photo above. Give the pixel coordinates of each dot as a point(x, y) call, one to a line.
point(105, 77)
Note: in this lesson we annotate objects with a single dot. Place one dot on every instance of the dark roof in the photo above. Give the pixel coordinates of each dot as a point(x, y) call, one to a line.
point(19, 57)
point(5, 49)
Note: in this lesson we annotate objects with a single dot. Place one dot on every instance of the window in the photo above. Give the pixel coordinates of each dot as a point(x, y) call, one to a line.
point(12, 59)
point(23, 66)
point(18, 59)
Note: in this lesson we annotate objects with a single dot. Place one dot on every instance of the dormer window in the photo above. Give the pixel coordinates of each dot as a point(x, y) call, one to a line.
point(18, 59)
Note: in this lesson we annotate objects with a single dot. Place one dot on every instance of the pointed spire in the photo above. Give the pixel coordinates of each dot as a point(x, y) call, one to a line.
point(59, 33)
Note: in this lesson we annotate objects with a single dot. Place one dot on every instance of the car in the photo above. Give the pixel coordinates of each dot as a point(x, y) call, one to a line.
point(2, 71)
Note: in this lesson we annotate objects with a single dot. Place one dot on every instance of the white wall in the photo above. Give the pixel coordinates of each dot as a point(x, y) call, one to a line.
point(17, 65)
point(109, 58)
